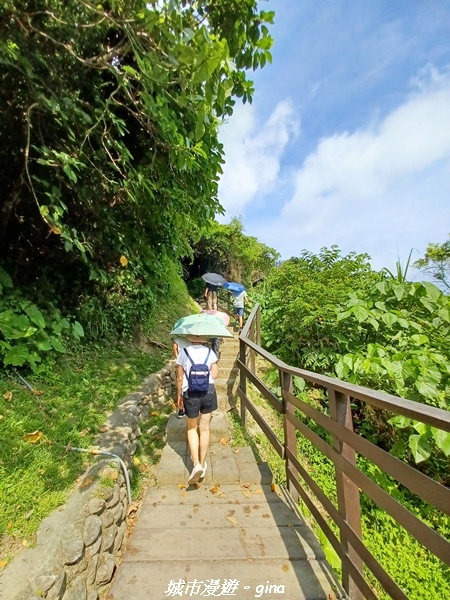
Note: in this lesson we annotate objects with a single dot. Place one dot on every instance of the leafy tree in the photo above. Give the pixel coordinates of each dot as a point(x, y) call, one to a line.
point(436, 263)
point(396, 339)
point(109, 153)
point(227, 250)
point(299, 299)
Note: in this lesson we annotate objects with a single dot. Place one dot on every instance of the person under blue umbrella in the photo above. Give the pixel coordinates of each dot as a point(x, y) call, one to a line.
point(240, 296)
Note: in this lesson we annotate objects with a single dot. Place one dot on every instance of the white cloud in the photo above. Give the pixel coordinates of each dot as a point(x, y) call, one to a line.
point(383, 189)
point(253, 154)
point(361, 167)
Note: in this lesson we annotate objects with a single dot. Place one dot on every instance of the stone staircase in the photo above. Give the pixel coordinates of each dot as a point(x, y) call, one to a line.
point(235, 534)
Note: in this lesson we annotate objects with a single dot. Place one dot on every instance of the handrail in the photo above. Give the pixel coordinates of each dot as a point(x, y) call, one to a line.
point(349, 546)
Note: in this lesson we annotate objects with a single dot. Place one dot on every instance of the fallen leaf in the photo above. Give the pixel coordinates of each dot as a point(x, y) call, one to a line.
point(258, 491)
point(8, 396)
point(83, 432)
point(232, 520)
point(247, 494)
point(3, 563)
point(86, 482)
point(285, 568)
point(33, 437)
point(155, 413)
point(236, 451)
point(213, 489)
point(181, 486)
point(136, 461)
point(131, 509)
point(273, 487)
point(246, 485)
point(104, 429)
point(224, 442)
point(56, 230)
point(123, 261)
point(266, 516)
point(37, 393)
point(24, 543)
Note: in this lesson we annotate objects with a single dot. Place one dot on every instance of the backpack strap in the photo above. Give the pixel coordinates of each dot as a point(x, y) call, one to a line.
point(192, 362)
point(187, 354)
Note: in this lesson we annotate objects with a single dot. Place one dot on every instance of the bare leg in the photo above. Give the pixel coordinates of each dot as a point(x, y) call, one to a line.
point(205, 421)
point(193, 441)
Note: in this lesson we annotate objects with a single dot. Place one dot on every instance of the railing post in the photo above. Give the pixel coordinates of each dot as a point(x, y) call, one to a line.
point(290, 437)
point(258, 326)
point(242, 382)
point(251, 335)
point(347, 491)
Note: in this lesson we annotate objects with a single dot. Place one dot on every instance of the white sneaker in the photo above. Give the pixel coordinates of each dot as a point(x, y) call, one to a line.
point(203, 473)
point(195, 474)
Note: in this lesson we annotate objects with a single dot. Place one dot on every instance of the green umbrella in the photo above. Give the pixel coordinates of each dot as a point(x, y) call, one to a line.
point(201, 324)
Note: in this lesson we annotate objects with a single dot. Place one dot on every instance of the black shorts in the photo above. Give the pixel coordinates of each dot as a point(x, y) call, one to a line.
point(194, 405)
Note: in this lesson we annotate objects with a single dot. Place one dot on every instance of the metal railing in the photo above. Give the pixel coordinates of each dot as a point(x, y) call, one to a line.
point(346, 444)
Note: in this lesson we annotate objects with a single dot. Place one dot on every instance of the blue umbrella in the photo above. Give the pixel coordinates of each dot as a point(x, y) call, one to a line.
point(214, 279)
point(234, 287)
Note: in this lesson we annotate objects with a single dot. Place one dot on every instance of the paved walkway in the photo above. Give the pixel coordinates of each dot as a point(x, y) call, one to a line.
point(234, 535)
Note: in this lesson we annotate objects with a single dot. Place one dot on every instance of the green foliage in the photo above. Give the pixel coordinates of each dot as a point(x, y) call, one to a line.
point(436, 263)
point(402, 272)
point(75, 393)
point(27, 332)
point(396, 338)
point(109, 141)
point(298, 302)
point(225, 249)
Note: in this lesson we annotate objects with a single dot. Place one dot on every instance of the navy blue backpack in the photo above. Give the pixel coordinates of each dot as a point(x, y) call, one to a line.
point(198, 378)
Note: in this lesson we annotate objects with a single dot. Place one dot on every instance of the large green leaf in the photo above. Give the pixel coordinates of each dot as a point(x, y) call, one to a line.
point(419, 340)
point(442, 440)
point(35, 315)
point(400, 422)
point(389, 319)
point(360, 313)
point(420, 447)
point(17, 356)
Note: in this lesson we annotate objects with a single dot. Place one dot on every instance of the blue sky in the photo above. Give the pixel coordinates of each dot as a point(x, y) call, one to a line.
point(347, 140)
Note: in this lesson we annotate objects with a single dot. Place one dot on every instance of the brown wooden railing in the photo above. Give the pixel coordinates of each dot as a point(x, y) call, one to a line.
point(349, 546)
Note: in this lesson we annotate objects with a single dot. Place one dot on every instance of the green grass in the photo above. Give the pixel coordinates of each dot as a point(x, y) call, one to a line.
point(77, 393)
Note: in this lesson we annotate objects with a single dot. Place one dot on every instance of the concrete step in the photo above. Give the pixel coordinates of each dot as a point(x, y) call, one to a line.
point(226, 363)
point(226, 465)
point(230, 357)
point(225, 384)
point(245, 535)
point(264, 578)
point(176, 428)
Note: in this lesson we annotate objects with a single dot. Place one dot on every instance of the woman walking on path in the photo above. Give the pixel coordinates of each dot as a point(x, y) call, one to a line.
point(197, 405)
point(211, 296)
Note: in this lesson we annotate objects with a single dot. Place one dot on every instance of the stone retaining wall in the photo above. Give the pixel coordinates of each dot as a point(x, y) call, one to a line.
point(78, 545)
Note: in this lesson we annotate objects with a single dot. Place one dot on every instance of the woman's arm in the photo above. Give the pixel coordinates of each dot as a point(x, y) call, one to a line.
point(180, 374)
point(214, 370)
